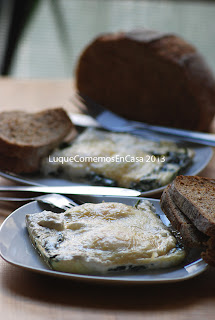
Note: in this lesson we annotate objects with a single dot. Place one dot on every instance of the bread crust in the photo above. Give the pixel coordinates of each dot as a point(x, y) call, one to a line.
point(191, 236)
point(148, 76)
point(209, 255)
point(19, 165)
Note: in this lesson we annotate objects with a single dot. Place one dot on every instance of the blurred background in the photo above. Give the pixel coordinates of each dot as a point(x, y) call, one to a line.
point(43, 38)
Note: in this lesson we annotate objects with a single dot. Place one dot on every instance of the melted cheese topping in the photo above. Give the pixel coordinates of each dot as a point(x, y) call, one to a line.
point(97, 238)
point(95, 143)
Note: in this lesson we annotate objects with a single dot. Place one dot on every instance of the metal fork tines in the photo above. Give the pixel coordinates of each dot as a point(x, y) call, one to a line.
point(107, 119)
point(54, 201)
point(57, 200)
point(111, 121)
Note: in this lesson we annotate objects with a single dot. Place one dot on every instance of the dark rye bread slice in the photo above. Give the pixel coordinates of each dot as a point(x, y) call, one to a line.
point(191, 236)
point(22, 133)
point(25, 138)
point(195, 197)
point(149, 76)
point(20, 165)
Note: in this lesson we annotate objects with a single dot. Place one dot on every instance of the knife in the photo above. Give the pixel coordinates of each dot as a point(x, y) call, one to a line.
point(83, 120)
point(81, 190)
point(113, 122)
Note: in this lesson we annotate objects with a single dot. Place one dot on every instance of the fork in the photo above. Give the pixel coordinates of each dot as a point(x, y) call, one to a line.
point(55, 201)
point(113, 122)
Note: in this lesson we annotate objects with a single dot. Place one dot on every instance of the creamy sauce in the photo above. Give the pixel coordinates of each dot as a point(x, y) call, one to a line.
point(131, 162)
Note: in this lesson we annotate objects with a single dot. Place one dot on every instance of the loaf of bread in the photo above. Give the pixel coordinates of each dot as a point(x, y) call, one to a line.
point(189, 204)
point(149, 76)
point(25, 138)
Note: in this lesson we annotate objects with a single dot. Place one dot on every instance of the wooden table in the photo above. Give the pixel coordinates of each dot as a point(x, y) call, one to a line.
point(26, 295)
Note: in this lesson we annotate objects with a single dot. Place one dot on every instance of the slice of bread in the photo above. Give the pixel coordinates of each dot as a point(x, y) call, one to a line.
point(209, 255)
point(191, 236)
point(25, 138)
point(20, 165)
point(195, 197)
point(189, 203)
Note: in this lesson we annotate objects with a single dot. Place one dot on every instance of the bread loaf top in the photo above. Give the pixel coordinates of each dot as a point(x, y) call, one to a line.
point(149, 76)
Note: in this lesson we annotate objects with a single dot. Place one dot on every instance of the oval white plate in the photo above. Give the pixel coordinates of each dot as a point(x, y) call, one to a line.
point(16, 248)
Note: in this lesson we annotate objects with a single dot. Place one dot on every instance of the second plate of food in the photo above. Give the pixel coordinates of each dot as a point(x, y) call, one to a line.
point(113, 159)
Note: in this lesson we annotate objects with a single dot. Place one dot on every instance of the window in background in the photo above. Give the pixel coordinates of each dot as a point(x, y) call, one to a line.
point(60, 29)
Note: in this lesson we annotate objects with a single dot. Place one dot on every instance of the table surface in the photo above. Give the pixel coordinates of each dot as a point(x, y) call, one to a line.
point(27, 295)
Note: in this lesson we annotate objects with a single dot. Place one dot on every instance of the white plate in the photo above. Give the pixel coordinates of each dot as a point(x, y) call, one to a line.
point(16, 248)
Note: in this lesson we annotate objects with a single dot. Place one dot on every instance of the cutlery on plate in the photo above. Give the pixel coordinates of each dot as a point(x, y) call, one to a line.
point(111, 121)
point(55, 201)
point(83, 120)
point(81, 190)
point(17, 178)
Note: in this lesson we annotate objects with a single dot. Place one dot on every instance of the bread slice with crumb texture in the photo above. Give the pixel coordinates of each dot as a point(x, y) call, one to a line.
point(25, 138)
point(195, 197)
point(191, 236)
point(209, 255)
